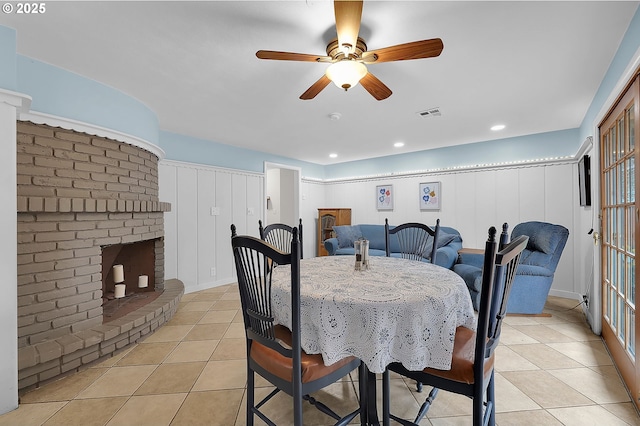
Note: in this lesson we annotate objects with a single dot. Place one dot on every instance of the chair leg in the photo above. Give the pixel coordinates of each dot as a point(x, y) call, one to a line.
point(386, 415)
point(478, 406)
point(491, 404)
point(418, 387)
point(250, 396)
point(297, 404)
point(426, 405)
point(362, 388)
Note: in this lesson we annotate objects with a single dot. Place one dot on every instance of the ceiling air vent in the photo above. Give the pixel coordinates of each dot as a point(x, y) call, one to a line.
point(431, 112)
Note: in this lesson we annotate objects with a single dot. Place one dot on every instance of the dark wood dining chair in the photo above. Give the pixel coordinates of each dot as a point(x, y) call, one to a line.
point(279, 235)
point(274, 351)
point(472, 365)
point(416, 240)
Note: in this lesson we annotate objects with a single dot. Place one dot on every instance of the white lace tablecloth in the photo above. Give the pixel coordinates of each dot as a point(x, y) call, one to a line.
point(397, 311)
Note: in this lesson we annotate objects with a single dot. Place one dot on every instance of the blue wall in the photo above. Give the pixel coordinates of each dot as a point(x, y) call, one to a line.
point(62, 93)
point(531, 147)
point(212, 153)
point(627, 49)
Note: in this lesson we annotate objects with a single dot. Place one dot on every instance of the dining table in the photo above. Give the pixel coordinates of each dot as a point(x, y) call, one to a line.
point(396, 310)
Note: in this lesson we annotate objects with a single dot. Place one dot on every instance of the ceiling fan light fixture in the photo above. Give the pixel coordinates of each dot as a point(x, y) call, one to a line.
point(346, 73)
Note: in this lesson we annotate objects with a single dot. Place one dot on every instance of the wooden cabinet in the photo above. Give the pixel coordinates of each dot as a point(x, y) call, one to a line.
point(327, 219)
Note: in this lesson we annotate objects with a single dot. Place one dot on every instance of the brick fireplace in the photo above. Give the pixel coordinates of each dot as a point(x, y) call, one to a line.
point(82, 200)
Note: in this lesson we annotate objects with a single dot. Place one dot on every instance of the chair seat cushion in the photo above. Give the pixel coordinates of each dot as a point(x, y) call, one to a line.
point(462, 360)
point(313, 366)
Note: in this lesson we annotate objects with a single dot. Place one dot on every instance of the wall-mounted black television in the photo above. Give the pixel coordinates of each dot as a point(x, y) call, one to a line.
point(584, 180)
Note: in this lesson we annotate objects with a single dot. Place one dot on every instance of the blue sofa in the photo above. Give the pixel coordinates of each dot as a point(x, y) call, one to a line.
point(534, 275)
point(449, 242)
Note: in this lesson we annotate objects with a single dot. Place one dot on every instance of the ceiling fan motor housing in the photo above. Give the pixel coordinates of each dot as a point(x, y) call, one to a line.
point(335, 52)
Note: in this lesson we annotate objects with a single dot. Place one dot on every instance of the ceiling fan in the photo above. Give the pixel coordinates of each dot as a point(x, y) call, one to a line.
point(348, 55)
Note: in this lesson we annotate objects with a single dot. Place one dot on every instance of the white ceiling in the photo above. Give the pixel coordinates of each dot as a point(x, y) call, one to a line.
point(533, 66)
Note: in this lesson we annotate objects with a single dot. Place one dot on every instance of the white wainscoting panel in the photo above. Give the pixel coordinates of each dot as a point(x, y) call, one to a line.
point(205, 201)
point(188, 230)
point(474, 200)
point(168, 192)
point(312, 194)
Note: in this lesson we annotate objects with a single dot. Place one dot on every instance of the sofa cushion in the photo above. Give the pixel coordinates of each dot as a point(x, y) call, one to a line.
point(347, 234)
point(375, 235)
point(543, 237)
point(444, 239)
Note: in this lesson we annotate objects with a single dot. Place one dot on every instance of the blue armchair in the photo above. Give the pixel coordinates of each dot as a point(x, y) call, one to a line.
point(536, 270)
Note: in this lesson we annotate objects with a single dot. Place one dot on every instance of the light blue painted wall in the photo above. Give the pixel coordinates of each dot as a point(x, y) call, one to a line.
point(62, 93)
point(8, 58)
point(216, 154)
point(69, 95)
point(628, 47)
point(543, 145)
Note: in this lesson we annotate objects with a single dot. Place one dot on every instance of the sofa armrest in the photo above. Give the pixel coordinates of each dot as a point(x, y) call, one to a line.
point(331, 245)
point(446, 256)
point(472, 257)
point(534, 270)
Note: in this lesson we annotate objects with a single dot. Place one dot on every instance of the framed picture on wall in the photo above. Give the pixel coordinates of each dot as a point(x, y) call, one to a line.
point(430, 196)
point(384, 197)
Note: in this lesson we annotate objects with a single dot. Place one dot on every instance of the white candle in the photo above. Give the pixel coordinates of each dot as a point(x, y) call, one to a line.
point(118, 273)
point(143, 281)
point(120, 290)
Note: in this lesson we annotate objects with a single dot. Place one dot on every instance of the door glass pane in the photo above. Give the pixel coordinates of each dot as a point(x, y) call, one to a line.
point(613, 228)
point(632, 180)
point(621, 321)
point(613, 188)
point(614, 309)
point(614, 144)
point(620, 228)
point(606, 151)
point(630, 230)
point(607, 305)
point(621, 184)
point(631, 287)
point(614, 269)
point(621, 135)
point(632, 335)
point(632, 127)
point(628, 179)
point(621, 272)
point(608, 267)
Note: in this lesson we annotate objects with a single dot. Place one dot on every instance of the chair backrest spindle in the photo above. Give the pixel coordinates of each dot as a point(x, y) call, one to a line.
point(417, 241)
point(280, 235)
point(274, 351)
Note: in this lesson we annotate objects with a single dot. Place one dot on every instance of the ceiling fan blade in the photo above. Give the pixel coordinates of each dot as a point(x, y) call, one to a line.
point(348, 16)
point(375, 87)
point(288, 56)
point(316, 88)
point(402, 52)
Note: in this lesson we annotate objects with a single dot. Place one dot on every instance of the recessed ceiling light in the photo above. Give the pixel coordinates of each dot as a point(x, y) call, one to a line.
point(333, 155)
point(398, 144)
point(498, 127)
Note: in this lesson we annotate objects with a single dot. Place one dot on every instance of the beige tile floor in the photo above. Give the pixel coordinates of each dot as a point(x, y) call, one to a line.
point(550, 371)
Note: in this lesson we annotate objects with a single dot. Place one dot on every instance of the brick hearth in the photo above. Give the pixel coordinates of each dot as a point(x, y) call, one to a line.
point(78, 193)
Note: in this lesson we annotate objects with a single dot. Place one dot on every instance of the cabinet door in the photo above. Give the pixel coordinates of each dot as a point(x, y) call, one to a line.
point(326, 220)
